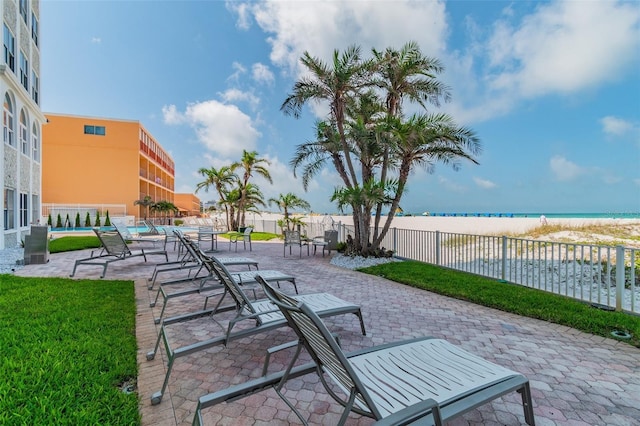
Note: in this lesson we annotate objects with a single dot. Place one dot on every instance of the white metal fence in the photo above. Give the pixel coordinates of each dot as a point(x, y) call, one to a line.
point(608, 277)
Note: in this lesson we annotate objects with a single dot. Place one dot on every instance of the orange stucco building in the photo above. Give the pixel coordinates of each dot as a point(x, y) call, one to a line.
point(88, 160)
point(188, 204)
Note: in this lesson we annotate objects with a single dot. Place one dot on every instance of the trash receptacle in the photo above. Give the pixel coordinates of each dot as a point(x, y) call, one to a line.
point(331, 238)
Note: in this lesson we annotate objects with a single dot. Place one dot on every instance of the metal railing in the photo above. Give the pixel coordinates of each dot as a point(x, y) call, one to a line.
point(608, 277)
point(586, 272)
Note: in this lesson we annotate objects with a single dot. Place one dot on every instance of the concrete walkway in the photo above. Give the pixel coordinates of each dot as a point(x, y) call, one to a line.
point(576, 378)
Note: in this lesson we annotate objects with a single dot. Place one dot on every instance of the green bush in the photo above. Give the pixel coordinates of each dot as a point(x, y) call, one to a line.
point(49, 221)
point(107, 221)
point(97, 218)
point(87, 221)
point(59, 221)
point(78, 220)
point(178, 222)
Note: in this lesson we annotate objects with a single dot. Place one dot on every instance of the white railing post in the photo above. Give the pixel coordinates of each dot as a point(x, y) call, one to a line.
point(437, 248)
point(504, 258)
point(394, 241)
point(619, 277)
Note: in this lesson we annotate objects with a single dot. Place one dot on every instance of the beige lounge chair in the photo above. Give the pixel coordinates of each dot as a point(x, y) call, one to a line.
point(263, 313)
point(424, 380)
point(114, 248)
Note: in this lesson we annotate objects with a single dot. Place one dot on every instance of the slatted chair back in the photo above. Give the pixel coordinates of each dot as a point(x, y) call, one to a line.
point(113, 243)
point(231, 286)
point(324, 350)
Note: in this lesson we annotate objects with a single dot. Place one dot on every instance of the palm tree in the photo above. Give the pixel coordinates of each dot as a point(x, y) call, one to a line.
point(146, 202)
point(164, 207)
point(366, 125)
point(289, 201)
point(221, 179)
point(250, 164)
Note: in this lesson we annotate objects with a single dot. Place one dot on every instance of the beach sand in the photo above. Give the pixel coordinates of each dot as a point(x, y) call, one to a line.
point(469, 225)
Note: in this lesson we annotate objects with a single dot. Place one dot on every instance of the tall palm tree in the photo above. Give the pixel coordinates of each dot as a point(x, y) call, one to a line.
point(366, 125)
point(289, 201)
point(337, 84)
point(145, 202)
point(221, 179)
point(250, 164)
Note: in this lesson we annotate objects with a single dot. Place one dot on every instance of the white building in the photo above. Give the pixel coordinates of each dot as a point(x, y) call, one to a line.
point(22, 119)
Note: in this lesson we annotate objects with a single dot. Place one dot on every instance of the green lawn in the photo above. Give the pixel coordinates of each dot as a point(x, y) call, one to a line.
point(68, 348)
point(510, 298)
point(69, 345)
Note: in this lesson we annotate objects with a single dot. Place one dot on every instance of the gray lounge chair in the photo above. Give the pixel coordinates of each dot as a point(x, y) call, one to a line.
point(263, 313)
point(114, 248)
point(245, 237)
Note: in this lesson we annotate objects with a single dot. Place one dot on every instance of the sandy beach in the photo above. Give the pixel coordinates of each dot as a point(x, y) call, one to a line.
point(468, 225)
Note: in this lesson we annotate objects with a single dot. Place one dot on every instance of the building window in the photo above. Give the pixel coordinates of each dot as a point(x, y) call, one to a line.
point(9, 205)
point(24, 8)
point(24, 137)
point(7, 121)
point(35, 143)
point(94, 130)
point(24, 71)
point(24, 209)
point(34, 28)
point(35, 209)
point(9, 48)
point(35, 87)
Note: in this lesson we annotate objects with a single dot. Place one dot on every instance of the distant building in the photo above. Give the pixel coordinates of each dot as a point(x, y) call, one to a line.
point(188, 204)
point(20, 170)
point(101, 162)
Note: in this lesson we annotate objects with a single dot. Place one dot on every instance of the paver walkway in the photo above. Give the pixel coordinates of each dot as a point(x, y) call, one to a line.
point(576, 378)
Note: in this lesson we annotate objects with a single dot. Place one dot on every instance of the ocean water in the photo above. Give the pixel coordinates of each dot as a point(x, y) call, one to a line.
point(611, 215)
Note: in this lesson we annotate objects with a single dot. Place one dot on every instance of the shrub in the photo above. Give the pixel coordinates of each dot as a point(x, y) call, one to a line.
point(78, 220)
point(87, 221)
point(178, 222)
point(107, 221)
point(97, 218)
point(49, 221)
point(59, 221)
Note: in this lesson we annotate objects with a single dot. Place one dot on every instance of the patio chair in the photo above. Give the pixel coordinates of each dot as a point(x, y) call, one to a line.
point(293, 238)
point(245, 237)
point(199, 280)
point(152, 230)
point(263, 312)
point(114, 248)
point(124, 231)
point(423, 380)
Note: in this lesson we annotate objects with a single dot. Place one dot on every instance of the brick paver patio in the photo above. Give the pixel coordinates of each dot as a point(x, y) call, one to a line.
point(576, 378)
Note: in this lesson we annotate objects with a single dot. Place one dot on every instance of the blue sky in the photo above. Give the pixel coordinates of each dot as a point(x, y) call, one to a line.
point(551, 88)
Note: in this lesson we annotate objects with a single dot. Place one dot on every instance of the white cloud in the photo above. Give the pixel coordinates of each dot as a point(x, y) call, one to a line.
point(236, 95)
point(223, 129)
point(564, 169)
point(262, 74)
point(171, 115)
point(565, 46)
point(615, 126)
point(321, 27)
point(450, 185)
point(238, 70)
point(483, 183)
point(96, 40)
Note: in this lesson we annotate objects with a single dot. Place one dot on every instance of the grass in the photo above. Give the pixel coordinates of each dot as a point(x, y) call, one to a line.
point(67, 348)
point(255, 236)
point(510, 298)
point(71, 243)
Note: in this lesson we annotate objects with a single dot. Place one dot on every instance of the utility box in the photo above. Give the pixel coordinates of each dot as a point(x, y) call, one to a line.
point(36, 246)
point(331, 238)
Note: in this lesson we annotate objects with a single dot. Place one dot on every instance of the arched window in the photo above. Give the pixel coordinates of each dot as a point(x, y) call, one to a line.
point(7, 122)
point(35, 142)
point(24, 136)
